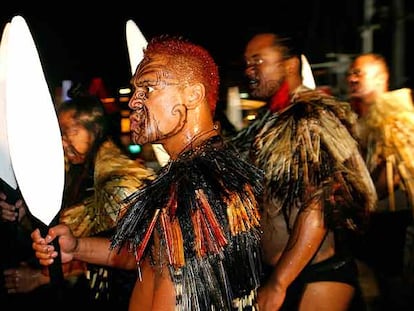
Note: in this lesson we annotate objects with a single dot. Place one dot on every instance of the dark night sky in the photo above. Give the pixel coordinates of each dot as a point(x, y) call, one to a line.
point(77, 43)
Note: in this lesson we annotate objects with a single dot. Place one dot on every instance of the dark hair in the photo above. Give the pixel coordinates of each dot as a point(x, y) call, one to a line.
point(291, 40)
point(288, 45)
point(90, 113)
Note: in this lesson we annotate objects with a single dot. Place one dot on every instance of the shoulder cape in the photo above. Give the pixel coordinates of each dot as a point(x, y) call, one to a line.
point(116, 176)
point(203, 208)
point(389, 138)
point(307, 152)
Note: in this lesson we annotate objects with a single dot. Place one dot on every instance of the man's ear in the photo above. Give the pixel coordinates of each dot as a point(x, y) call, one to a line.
point(292, 65)
point(195, 95)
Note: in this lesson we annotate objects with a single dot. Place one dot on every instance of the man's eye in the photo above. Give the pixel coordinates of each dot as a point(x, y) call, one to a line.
point(254, 62)
point(150, 89)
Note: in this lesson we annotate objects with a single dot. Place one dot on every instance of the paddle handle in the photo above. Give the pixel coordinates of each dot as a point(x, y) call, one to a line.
point(55, 269)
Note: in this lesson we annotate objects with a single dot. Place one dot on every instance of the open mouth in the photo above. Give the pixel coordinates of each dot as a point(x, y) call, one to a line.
point(253, 83)
point(72, 155)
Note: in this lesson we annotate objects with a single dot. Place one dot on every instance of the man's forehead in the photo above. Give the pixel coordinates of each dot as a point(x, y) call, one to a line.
point(261, 49)
point(155, 68)
point(364, 65)
point(153, 61)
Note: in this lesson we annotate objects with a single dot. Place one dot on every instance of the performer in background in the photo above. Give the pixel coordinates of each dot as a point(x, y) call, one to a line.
point(317, 189)
point(98, 177)
point(385, 134)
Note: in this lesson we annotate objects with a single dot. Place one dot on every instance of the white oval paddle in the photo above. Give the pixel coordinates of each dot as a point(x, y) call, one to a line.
point(33, 131)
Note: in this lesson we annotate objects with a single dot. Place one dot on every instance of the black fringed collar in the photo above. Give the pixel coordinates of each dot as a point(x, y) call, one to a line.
point(203, 207)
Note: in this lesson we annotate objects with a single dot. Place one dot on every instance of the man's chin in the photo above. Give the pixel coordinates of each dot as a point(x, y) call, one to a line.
point(255, 93)
point(354, 96)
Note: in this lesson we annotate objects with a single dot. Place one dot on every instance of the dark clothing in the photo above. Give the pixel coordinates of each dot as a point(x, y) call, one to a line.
point(334, 269)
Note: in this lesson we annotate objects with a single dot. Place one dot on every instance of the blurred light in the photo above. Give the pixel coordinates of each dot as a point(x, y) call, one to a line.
point(124, 91)
point(251, 117)
point(249, 104)
point(134, 149)
point(125, 125)
point(108, 100)
point(66, 85)
point(125, 113)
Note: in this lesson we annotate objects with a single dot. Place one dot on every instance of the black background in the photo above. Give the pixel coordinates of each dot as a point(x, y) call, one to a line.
point(78, 43)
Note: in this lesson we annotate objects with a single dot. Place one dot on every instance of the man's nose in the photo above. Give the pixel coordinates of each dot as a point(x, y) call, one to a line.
point(249, 71)
point(135, 103)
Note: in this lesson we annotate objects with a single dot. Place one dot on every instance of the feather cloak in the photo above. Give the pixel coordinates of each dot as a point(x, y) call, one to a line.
point(388, 136)
point(307, 151)
point(115, 177)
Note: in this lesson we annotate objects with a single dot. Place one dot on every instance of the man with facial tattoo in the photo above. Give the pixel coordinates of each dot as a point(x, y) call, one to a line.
point(193, 233)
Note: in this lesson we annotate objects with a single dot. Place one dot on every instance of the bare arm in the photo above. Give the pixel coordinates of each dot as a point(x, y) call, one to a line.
point(306, 238)
point(95, 250)
point(304, 242)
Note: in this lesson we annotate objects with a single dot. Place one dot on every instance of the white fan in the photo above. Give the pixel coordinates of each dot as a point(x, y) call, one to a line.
point(32, 126)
